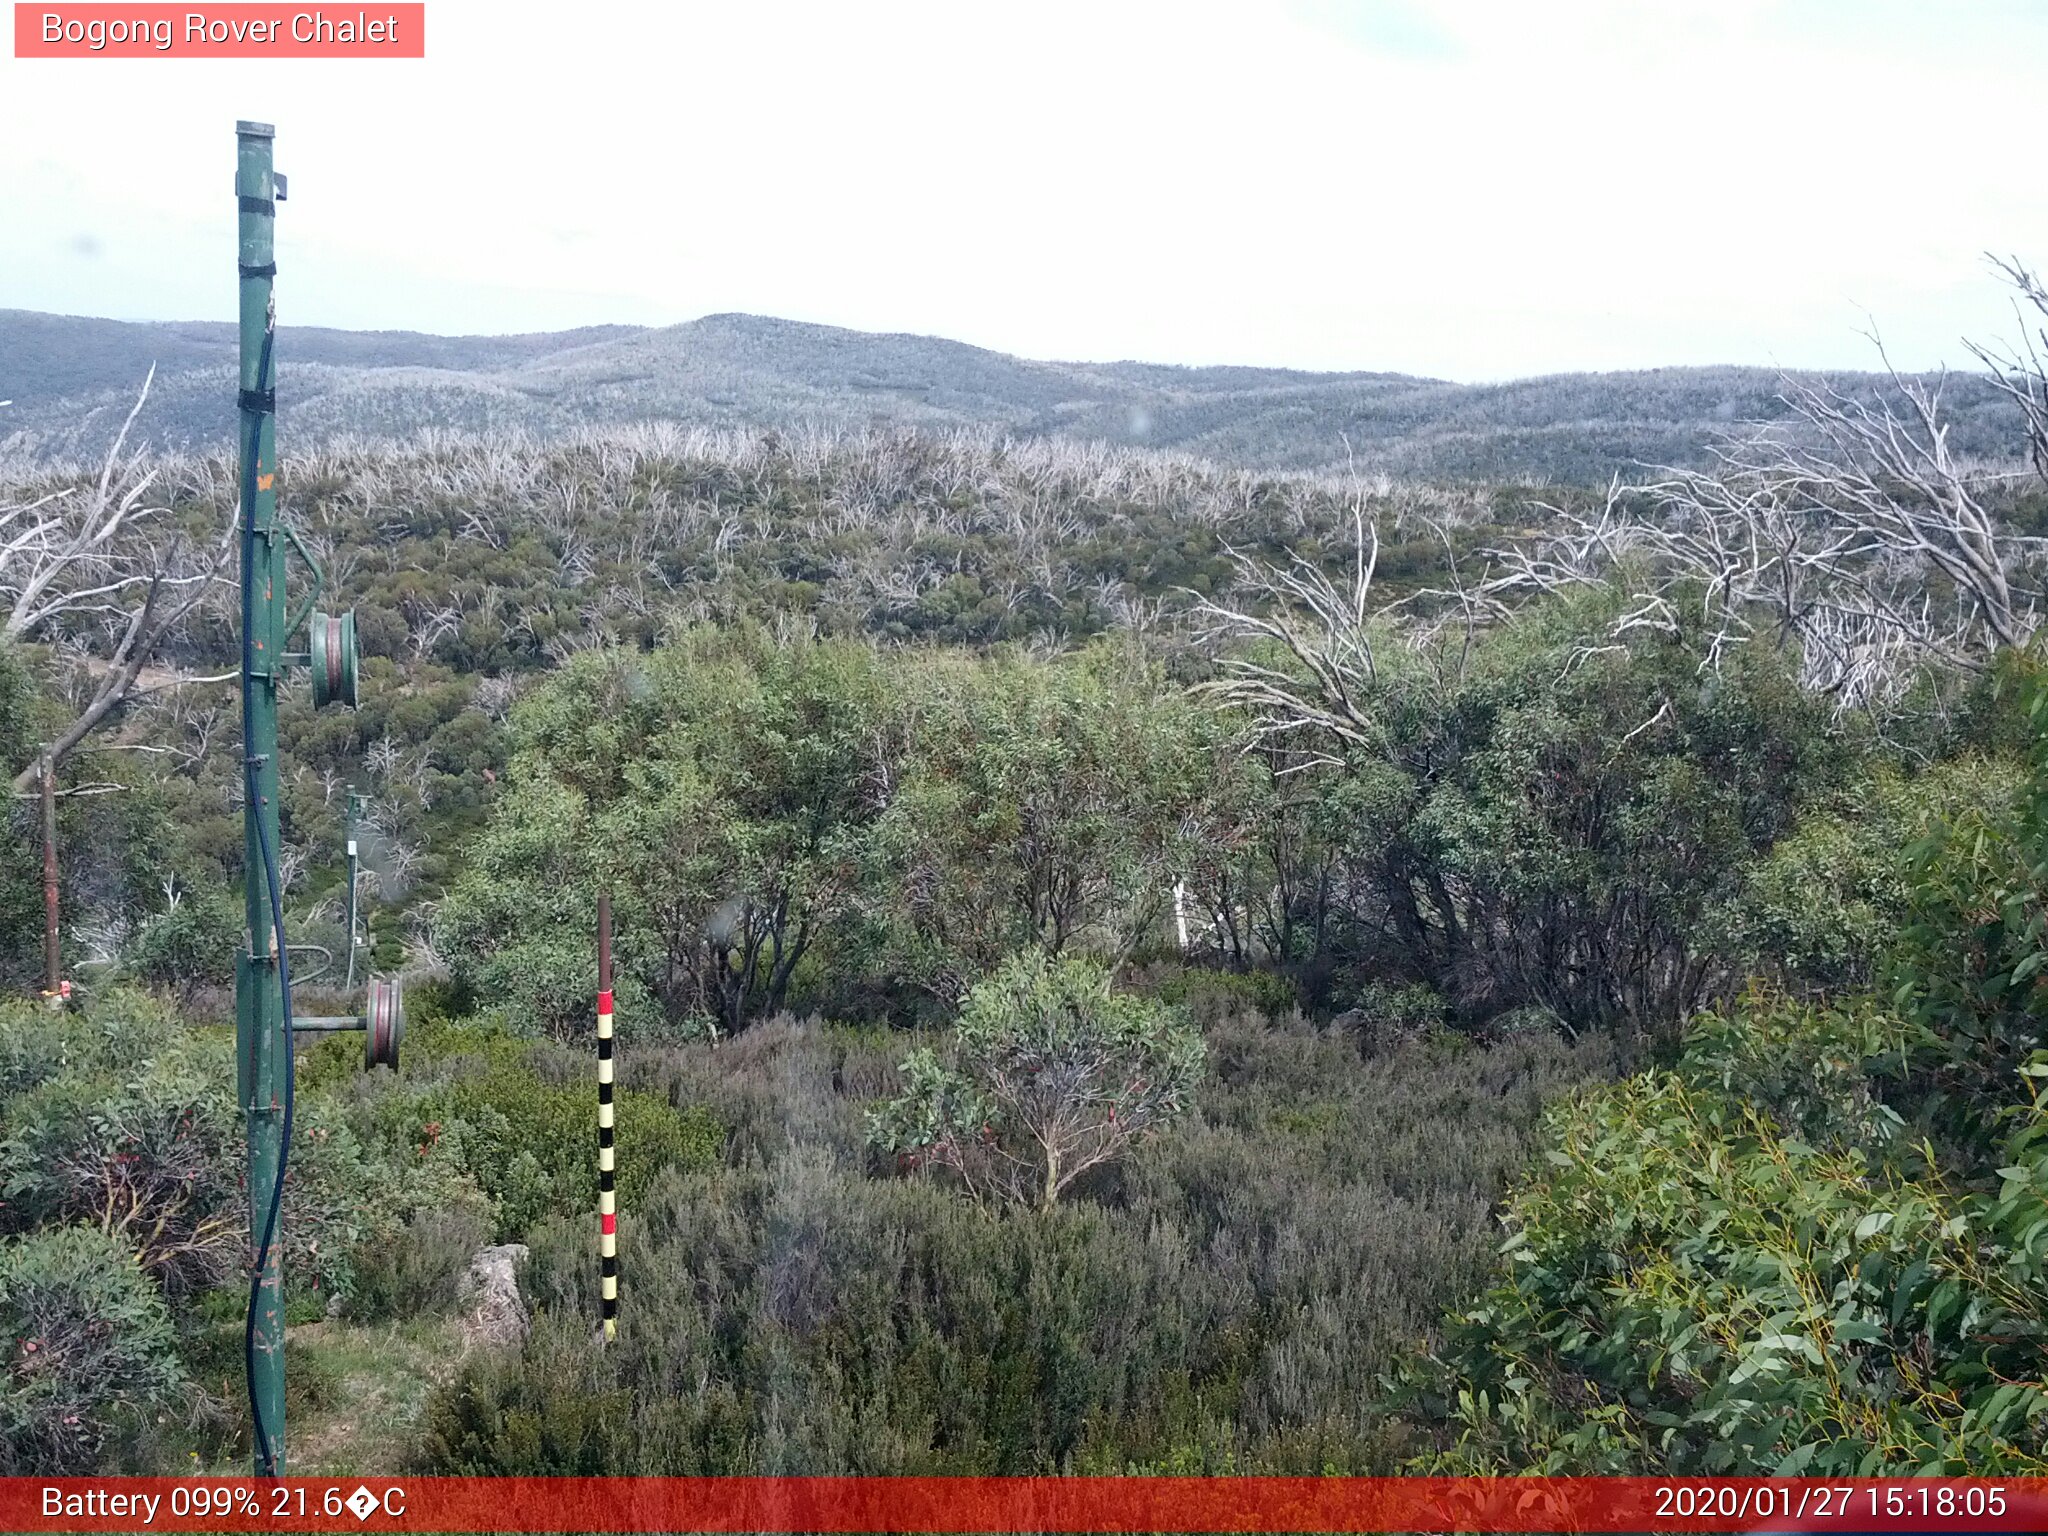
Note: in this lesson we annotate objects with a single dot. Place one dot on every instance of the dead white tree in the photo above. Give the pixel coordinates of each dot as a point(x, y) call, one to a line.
point(2020, 371)
point(432, 625)
point(1326, 633)
point(1328, 644)
point(1853, 532)
point(98, 558)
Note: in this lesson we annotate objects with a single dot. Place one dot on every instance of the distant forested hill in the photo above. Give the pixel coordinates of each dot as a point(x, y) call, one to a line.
point(72, 379)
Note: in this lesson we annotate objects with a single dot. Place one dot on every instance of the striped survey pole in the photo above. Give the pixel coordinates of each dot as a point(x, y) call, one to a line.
point(607, 1208)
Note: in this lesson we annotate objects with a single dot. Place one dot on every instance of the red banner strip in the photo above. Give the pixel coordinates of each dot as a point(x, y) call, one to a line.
point(373, 31)
point(1004, 1505)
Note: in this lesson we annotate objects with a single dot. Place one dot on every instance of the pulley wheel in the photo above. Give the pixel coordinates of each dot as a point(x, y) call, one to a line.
point(384, 1023)
point(331, 644)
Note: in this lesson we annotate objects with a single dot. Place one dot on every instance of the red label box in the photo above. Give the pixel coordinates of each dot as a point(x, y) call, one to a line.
point(1104, 1506)
point(373, 31)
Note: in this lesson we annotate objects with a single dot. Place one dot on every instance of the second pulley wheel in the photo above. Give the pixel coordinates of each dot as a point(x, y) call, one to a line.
point(384, 1023)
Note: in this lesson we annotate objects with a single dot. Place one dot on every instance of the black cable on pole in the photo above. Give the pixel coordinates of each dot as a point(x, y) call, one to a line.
point(251, 769)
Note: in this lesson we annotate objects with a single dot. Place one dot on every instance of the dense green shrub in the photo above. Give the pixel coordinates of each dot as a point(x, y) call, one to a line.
point(520, 926)
point(1533, 820)
point(1743, 1265)
point(1819, 1242)
point(719, 789)
point(1048, 806)
point(510, 1119)
point(417, 1271)
point(189, 945)
point(114, 847)
point(1972, 962)
point(1825, 907)
point(531, 1143)
point(1208, 994)
point(771, 811)
point(1225, 1299)
point(87, 1340)
point(1386, 1013)
point(793, 821)
point(123, 1116)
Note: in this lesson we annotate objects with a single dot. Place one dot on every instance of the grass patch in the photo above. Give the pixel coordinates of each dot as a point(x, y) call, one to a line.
point(370, 1390)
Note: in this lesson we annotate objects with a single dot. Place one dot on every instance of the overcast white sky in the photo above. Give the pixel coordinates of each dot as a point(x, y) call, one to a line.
point(1471, 190)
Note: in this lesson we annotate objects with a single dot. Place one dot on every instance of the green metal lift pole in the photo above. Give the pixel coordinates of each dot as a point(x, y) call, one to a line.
point(261, 1046)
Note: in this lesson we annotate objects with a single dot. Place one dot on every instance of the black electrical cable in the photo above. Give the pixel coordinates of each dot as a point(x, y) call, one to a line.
point(266, 1458)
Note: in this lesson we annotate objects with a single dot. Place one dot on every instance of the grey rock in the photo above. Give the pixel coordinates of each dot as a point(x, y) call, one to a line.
point(493, 1311)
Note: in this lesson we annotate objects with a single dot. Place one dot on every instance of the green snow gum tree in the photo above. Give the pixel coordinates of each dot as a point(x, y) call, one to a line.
point(1052, 1074)
point(789, 822)
point(721, 789)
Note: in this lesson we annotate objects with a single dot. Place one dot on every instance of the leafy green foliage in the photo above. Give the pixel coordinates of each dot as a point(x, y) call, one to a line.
point(1541, 823)
point(113, 844)
point(1209, 995)
point(720, 791)
point(1052, 1075)
point(189, 945)
point(1041, 806)
point(419, 1273)
point(88, 1340)
point(123, 1215)
point(1970, 964)
point(1825, 908)
point(1384, 1013)
point(1818, 1243)
point(123, 1117)
point(529, 1141)
point(1742, 1265)
point(496, 1131)
point(755, 804)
